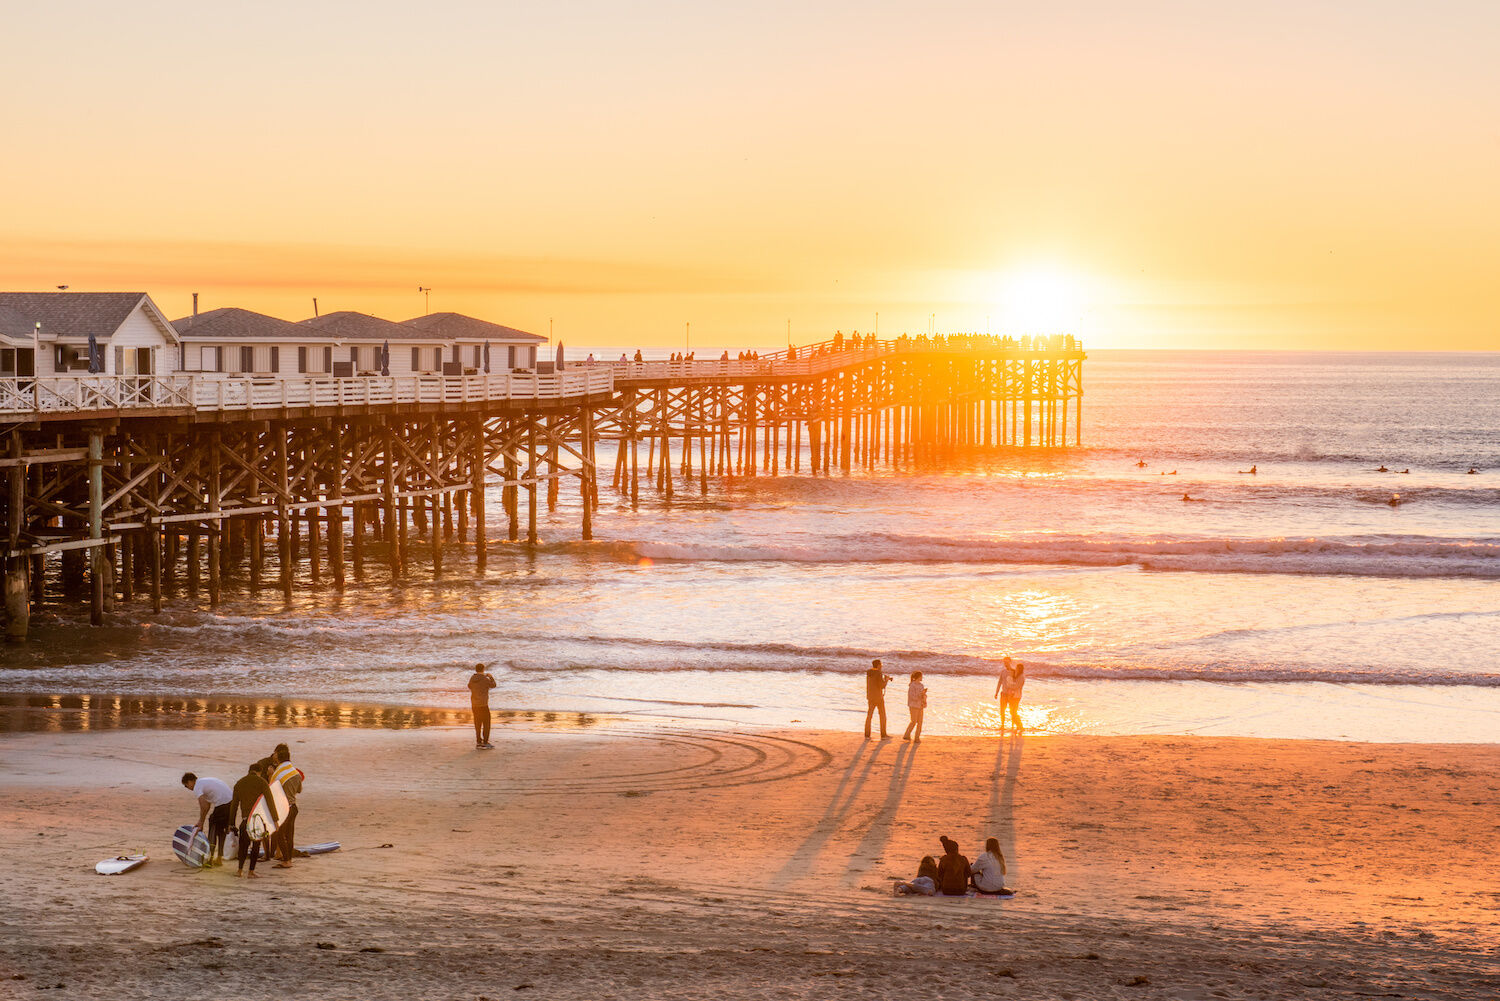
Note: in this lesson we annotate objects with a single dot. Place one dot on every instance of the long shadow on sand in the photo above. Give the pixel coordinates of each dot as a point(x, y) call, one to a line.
point(878, 832)
point(839, 805)
point(1002, 798)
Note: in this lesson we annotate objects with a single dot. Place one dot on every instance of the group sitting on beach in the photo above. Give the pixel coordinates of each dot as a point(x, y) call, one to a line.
point(953, 875)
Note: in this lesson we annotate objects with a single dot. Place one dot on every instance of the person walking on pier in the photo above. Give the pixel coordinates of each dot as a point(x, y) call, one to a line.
point(875, 681)
point(480, 683)
point(916, 703)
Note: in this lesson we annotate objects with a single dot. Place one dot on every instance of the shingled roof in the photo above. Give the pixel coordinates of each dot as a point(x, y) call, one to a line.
point(351, 326)
point(78, 314)
point(233, 323)
point(15, 325)
point(457, 326)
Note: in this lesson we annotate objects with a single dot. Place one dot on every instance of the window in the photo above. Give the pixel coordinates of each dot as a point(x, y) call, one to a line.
point(302, 359)
point(477, 358)
point(510, 356)
point(247, 358)
point(328, 359)
point(416, 359)
point(275, 358)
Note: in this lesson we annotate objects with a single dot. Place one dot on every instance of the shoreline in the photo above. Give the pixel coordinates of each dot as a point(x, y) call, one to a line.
point(960, 709)
point(616, 860)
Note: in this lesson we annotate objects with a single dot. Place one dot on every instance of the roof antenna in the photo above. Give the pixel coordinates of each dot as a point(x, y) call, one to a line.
point(315, 307)
point(426, 291)
point(195, 306)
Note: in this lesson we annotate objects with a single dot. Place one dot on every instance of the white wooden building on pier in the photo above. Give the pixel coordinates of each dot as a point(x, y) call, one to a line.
point(47, 334)
point(348, 344)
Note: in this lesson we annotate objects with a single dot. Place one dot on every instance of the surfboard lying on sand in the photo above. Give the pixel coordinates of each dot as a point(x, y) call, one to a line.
point(321, 849)
point(120, 863)
point(191, 848)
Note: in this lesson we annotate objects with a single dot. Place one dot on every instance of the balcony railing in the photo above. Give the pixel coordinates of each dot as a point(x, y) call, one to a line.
point(213, 392)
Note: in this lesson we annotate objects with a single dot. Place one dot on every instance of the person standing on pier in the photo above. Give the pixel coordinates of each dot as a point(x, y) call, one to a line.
point(875, 681)
point(916, 703)
point(480, 683)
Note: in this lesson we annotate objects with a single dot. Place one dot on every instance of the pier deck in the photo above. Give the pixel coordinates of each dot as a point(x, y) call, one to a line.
point(127, 484)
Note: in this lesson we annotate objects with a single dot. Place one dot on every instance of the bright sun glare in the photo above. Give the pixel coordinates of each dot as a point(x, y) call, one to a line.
point(1041, 300)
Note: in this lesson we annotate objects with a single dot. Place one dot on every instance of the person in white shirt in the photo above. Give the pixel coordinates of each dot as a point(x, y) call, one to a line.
point(988, 871)
point(916, 702)
point(214, 797)
point(1008, 691)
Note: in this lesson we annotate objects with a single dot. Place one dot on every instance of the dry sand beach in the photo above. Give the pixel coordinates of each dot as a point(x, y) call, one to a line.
point(617, 860)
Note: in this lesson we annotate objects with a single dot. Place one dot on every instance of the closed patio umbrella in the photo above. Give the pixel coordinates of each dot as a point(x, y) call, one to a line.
point(486, 357)
point(385, 358)
point(559, 356)
point(96, 357)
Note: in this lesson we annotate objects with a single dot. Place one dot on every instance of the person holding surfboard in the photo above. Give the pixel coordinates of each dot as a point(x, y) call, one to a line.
point(480, 683)
point(290, 777)
point(214, 809)
point(250, 792)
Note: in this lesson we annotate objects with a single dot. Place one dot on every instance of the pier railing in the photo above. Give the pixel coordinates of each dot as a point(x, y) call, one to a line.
point(828, 355)
point(214, 392)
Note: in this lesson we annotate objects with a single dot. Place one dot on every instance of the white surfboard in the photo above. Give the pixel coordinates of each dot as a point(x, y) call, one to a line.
point(261, 822)
point(120, 863)
point(279, 802)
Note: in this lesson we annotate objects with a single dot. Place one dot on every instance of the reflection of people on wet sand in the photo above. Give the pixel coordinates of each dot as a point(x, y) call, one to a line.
point(988, 871)
point(925, 882)
point(875, 681)
point(916, 701)
point(1008, 691)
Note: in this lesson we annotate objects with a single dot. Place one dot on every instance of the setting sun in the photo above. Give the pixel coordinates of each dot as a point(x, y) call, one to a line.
point(1041, 300)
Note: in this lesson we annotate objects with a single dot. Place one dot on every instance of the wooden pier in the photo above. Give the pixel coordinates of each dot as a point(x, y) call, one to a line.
point(123, 488)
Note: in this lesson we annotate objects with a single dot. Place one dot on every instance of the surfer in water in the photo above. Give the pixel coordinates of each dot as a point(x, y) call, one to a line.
point(480, 683)
point(1250, 471)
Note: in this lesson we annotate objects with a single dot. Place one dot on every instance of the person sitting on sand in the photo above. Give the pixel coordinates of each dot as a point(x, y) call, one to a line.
point(988, 871)
point(953, 870)
point(925, 882)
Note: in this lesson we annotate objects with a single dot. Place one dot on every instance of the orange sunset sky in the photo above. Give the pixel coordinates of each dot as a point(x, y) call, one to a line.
point(1152, 174)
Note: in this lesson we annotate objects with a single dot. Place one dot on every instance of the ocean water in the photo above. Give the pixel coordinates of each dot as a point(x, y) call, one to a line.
point(1315, 598)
